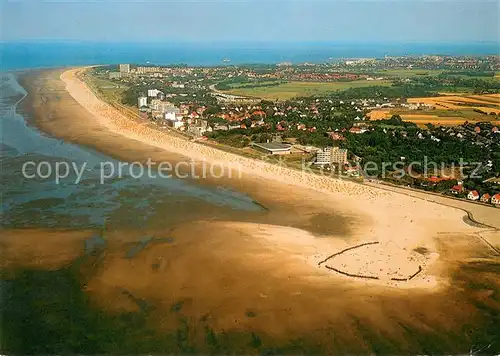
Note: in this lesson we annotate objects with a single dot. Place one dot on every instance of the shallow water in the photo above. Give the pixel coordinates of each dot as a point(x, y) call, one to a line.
point(47, 203)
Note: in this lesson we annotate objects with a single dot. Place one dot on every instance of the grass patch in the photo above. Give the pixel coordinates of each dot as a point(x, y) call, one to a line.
point(296, 89)
point(407, 73)
point(109, 90)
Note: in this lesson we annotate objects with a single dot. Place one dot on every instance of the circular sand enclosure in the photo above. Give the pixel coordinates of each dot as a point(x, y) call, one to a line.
point(375, 260)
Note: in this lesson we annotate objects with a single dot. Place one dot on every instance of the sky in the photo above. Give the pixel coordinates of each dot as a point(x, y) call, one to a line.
point(251, 20)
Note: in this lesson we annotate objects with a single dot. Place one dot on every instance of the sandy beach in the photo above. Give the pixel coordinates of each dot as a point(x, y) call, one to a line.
point(326, 257)
point(382, 207)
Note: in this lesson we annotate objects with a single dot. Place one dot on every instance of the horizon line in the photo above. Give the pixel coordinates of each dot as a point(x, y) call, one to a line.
point(246, 41)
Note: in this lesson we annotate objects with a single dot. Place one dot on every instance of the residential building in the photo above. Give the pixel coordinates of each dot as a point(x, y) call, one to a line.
point(339, 156)
point(495, 200)
point(154, 92)
point(220, 127)
point(144, 70)
point(331, 155)
point(194, 115)
point(335, 136)
point(473, 195)
point(163, 106)
point(124, 69)
point(485, 198)
point(199, 130)
point(142, 101)
point(357, 130)
point(172, 114)
point(114, 75)
point(456, 189)
point(324, 156)
point(178, 125)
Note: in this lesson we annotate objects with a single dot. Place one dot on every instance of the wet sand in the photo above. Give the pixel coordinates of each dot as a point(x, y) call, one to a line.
point(259, 273)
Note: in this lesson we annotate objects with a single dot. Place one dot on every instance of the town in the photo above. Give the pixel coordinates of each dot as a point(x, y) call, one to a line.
point(375, 110)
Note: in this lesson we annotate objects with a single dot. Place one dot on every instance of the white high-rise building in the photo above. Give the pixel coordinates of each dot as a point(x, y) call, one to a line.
point(324, 156)
point(142, 101)
point(173, 114)
point(125, 69)
point(339, 155)
point(331, 155)
point(154, 92)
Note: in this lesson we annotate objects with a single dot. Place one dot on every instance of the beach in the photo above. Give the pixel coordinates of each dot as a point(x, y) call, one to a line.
point(394, 258)
point(347, 193)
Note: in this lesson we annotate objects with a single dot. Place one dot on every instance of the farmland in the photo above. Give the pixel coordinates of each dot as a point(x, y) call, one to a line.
point(448, 110)
point(488, 102)
point(408, 73)
point(289, 90)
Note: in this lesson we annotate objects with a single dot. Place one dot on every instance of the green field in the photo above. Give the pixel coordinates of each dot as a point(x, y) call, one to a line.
point(294, 89)
point(111, 91)
point(466, 114)
point(409, 72)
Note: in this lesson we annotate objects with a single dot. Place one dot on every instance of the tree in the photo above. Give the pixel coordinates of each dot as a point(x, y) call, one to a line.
point(212, 110)
point(247, 122)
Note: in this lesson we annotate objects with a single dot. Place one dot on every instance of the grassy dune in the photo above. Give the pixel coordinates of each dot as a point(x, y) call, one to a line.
point(110, 90)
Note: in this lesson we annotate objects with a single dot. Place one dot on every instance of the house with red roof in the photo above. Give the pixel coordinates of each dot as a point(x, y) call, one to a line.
point(357, 130)
point(335, 136)
point(485, 198)
point(436, 180)
point(473, 195)
point(456, 189)
point(259, 113)
point(495, 200)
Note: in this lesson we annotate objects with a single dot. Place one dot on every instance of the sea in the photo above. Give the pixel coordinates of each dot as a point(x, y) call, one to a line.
point(44, 202)
point(26, 55)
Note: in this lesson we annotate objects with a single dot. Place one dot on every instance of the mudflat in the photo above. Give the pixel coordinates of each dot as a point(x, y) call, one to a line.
point(327, 266)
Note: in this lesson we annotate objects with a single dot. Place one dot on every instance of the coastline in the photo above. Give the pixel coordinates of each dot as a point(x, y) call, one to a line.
point(116, 122)
point(258, 174)
point(486, 215)
point(267, 262)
